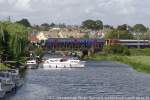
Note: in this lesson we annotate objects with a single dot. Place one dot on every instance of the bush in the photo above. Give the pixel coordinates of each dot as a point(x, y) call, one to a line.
point(116, 49)
point(140, 52)
point(38, 51)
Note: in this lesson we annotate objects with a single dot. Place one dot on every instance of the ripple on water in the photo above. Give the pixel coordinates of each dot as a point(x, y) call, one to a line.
point(97, 79)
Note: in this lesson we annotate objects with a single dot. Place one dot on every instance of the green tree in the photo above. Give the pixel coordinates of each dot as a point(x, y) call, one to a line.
point(122, 27)
point(116, 34)
point(139, 28)
point(108, 27)
point(2, 39)
point(13, 32)
point(93, 25)
point(99, 24)
point(52, 24)
point(45, 27)
point(24, 22)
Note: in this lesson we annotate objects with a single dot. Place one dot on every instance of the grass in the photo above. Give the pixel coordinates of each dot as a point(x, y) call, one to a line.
point(139, 63)
point(141, 59)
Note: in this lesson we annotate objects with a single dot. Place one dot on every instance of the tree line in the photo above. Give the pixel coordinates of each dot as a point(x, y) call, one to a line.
point(138, 31)
point(120, 32)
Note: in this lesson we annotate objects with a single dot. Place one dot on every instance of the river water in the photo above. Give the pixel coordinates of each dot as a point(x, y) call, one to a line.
point(97, 79)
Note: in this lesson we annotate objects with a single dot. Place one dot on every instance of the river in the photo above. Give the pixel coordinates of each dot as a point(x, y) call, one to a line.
point(97, 79)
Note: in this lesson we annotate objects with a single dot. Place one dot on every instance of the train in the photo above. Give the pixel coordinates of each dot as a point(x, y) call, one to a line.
point(93, 43)
point(129, 43)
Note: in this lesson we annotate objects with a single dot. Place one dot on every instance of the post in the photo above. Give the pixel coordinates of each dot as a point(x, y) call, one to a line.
point(138, 40)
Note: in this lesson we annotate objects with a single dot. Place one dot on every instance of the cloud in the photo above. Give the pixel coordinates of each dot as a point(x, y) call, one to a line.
point(75, 11)
point(22, 4)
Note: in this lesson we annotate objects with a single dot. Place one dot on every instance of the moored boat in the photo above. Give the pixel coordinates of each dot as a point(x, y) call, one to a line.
point(31, 64)
point(67, 62)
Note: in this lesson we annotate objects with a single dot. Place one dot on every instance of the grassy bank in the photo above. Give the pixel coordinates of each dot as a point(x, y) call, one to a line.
point(139, 63)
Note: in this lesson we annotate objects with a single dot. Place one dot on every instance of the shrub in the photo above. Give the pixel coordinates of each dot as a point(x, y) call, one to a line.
point(116, 49)
point(140, 52)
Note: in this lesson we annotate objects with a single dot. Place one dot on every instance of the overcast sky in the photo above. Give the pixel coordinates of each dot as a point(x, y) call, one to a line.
point(113, 12)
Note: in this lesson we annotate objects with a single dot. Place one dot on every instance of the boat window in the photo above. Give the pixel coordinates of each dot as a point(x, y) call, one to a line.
point(62, 60)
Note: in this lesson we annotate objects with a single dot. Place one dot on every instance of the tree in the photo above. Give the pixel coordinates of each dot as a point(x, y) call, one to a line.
point(93, 25)
point(122, 27)
point(88, 24)
point(52, 24)
point(13, 41)
point(63, 25)
point(99, 24)
point(2, 39)
point(45, 24)
point(139, 28)
point(45, 27)
point(24, 22)
point(108, 27)
point(116, 34)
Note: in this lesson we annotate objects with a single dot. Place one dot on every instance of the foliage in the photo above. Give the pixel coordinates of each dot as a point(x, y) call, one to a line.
point(14, 39)
point(45, 27)
point(52, 24)
point(108, 27)
point(138, 65)
point(139, 28)
point(116, 49)
point(122, 27)
point(24, 22)
point(140, 52)
point(93, 25)
point(38, 51)
point(118, 34)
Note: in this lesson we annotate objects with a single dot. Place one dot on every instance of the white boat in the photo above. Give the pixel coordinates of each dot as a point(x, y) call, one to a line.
point(2, 91)
point(70, 62)
point(31, 64)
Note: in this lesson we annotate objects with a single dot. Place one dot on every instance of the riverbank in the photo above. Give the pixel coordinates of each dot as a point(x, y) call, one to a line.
point(139, 63)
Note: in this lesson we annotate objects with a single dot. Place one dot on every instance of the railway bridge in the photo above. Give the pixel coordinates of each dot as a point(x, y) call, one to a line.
point(86, 46)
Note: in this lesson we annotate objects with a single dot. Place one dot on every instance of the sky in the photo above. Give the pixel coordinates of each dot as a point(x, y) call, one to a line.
point(112, 12)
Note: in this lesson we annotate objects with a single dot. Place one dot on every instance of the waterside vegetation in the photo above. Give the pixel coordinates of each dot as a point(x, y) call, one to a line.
point(138, 59)
point(13, 42)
